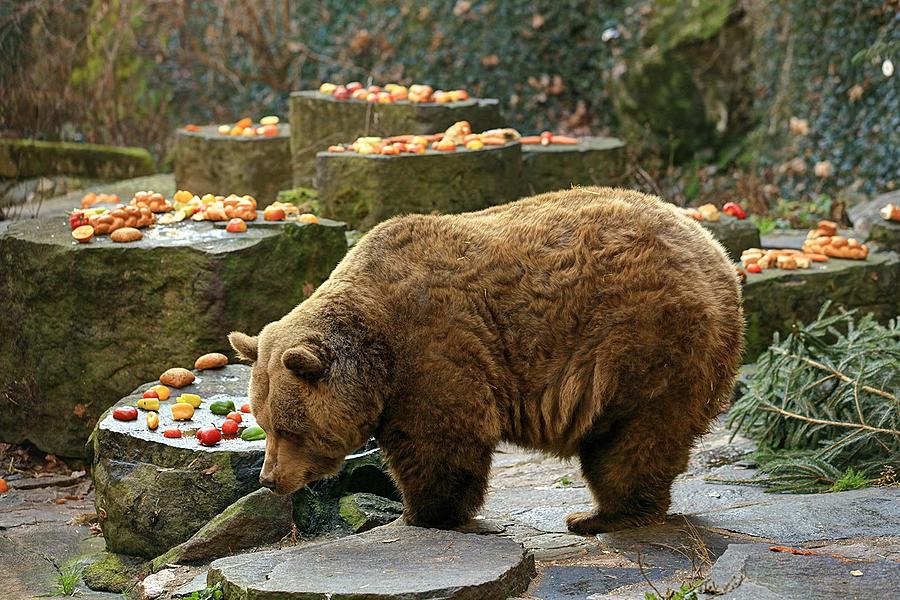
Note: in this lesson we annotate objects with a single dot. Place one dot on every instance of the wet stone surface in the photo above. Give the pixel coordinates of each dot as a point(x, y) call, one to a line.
point(406, 563)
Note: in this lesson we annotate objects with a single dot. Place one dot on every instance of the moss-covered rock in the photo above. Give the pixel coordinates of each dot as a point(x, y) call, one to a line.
point(257, 519)
point(363, 512)
point(775, 299)
point(153, 492)
point(209, 163)
point(31, 158)
point(318, 121)
point(593, 161)
point(84, 324)
point(735, 234)
point(870, 225)
point(364, 190)
point(113, 573)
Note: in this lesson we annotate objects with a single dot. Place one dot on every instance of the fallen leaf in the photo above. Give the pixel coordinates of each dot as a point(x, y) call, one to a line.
point(856, 573)
point(390, 541)
point(210, 470)
point(855, 93)
point(789, 550)
point(537, 21)
point(491, 60)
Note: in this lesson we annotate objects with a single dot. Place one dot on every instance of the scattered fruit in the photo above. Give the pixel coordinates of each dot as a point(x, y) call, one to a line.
point(172, 433)
point(274, 214)
point(148, 403)
point(392, 92)
point(125, 235)
point(245, 407)
point(734, 209)
point(890, 212)
point(268, 126)
point(4, 487)
point(235, 416)
point(151, 393)
point(236, 225)
point(152, 420)
point(162, 392)
point(252, 434)
point(308, 218)
point(192, 399)
point(181, 411)
point(191, 127)
point(209, 435)
point(230, 427)
point(78, 219)
point(125, 413)
point(84, 234)
point(221, 407)
point(754, 268)
point(177, 377)
point(213, 360)
point(90, 199)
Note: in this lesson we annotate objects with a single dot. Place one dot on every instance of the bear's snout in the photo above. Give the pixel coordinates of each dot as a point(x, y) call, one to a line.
point(267, 483)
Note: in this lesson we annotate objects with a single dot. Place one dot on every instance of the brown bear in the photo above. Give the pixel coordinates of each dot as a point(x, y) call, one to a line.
point(593, 322)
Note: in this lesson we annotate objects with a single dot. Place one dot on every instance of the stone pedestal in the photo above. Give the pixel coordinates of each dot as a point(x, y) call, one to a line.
point(408, 563)
point(153, 492)
point(364, 190)
point(83, 324)
point(593, 161)
point(735, 234)
point(319, 121)
point(775, 299)
point(209, 163)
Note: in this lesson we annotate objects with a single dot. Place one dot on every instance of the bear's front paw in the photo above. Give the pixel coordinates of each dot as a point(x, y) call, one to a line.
point(591, 523)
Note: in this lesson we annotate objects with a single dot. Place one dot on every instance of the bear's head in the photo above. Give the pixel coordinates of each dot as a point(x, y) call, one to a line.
point(316, 393)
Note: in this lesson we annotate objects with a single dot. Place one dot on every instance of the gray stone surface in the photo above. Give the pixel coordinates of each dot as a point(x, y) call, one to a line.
point(753, 572)
point(791, 518)
point(209, 163)
point(581, 582)
point(406, 563)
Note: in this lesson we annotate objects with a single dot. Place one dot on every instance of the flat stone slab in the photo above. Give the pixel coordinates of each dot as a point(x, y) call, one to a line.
point(408, 563)
point(207, 162)
point(592, 161)
point(84, 324)
point(319, 120)
point(798, 518)
point(754, 572)
point(775, 299)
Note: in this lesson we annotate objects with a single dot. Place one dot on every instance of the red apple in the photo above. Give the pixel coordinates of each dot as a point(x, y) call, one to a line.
point(353, 86)
point(273, 214)
point(236, 226)
point(341, 93)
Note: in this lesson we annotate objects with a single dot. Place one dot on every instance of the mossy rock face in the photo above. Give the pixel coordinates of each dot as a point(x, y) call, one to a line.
point(209, 163)
point(592, 161)
point(870, 225)
point(736, 235)
point(775, 299)
point(85, 323)
point(153, 492)
point(319, 121)
point(257, 519)
point(32, 158)
point(363, 512)
point(364, 190)
point(113, 573)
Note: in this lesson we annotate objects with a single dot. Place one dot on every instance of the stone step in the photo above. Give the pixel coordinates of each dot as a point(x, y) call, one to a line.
point(392, 562)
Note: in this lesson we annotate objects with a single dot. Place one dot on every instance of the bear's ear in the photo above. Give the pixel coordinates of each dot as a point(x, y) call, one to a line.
point(306, 361)
point(247, 347)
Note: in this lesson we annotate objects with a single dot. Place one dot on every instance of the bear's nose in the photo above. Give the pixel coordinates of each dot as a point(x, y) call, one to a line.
point(268, 483)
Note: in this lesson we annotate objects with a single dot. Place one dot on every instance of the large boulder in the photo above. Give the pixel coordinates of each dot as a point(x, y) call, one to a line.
point(32, 158)
point(84, 324)
point(209, 163)
point(318, 121)
point(775, 300)
point(592, 161)
point(364, 190)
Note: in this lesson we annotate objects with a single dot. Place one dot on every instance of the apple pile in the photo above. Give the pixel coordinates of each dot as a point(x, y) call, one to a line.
point(392, 92)
point(458, 136)
point(267, 127)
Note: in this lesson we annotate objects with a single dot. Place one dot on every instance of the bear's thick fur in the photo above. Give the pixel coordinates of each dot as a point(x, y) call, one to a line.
point(593, 322)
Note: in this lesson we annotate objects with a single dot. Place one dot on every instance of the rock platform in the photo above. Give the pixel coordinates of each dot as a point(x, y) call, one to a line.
point(387, 563)
point(207, 162)
point(319, 121)
point(84, 324)
point(364, 190)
